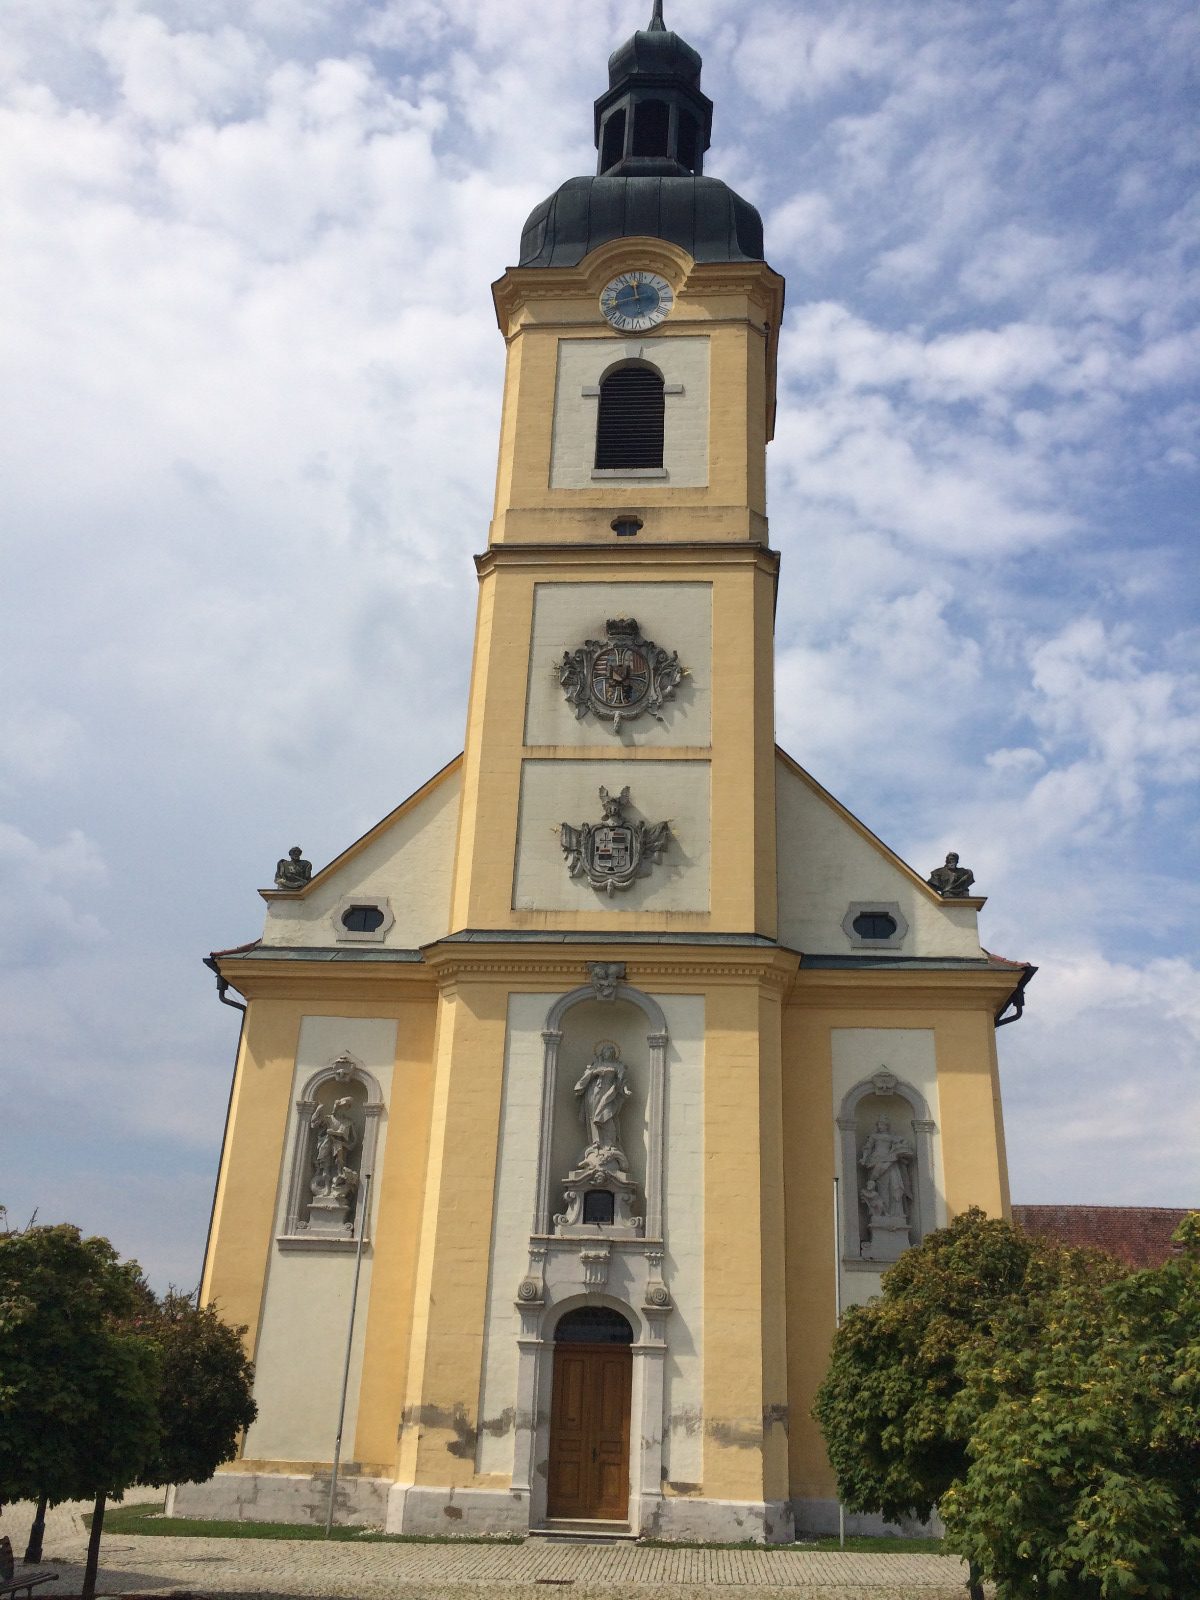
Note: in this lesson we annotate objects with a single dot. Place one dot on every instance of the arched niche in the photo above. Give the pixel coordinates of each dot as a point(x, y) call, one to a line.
point(575, 1023)
point(884, 1094)
point(342, 1079)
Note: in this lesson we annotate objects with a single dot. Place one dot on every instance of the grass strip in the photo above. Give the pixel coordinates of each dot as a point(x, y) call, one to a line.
point(148, 1520)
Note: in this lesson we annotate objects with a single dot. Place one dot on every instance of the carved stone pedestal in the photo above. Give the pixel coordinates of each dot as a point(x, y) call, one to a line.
point(331, 1214)
point(887, 1239)
point(598, 1177)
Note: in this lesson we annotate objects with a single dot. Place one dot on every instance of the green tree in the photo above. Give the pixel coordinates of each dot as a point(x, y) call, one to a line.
point(78, 1384)
point(102, 1387)
point(885, 1405)
point(205, 1391)
point(1084, 1444)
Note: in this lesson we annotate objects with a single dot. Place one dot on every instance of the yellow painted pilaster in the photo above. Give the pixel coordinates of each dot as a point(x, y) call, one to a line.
point(397, 1231)
point(972, 1128)
point(247, 1188)
point(449, 1307)
point(743, 1449)
point(808, 1113)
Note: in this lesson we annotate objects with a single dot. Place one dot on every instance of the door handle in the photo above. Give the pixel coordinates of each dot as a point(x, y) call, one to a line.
point(593, 1455)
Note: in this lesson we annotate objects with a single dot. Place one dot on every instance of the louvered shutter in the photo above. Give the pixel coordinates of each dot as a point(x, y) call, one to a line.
point(629, 432)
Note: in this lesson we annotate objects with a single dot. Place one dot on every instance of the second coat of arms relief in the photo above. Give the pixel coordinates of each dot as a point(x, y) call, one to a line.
point(621, 677)
point(614, 852)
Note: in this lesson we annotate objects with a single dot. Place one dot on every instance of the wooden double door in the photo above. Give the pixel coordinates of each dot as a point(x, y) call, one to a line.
point(589, 1432)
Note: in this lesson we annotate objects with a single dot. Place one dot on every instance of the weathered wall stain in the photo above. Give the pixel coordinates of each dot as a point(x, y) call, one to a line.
point(498, 1426)
point(456, 1421)
point(777, 1414)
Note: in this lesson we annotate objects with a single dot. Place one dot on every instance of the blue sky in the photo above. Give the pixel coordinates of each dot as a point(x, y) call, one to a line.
point(251, 386)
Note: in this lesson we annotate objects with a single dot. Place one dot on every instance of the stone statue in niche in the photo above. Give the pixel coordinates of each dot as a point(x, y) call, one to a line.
point(334, 1182)
point(952, 882)
point(887, 1159)
point(602, 1168)
point(293, 872)
point(602, 1093)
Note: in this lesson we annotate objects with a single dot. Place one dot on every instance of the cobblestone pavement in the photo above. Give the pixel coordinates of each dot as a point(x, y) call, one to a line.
point(278, 1569)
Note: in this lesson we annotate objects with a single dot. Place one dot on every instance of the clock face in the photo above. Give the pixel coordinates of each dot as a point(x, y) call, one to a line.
point(636, 301)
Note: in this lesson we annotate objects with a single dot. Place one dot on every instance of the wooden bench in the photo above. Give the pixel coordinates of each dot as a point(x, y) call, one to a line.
point(25, 1582)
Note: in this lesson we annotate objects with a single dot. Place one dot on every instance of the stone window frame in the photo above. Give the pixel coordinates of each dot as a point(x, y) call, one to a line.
point(591, 391)
point(344, 1069)
point(880, 908)
point(377, 935)
point(924, 1213)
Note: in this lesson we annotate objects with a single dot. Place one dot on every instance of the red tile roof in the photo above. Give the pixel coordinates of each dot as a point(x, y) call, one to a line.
point(1140, 1236)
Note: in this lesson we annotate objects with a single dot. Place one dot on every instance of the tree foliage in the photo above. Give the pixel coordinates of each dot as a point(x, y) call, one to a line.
point(101, 1386)
point(886, 1405)
point(78, 1384)
point(1084, 1444)
point(204, 1396)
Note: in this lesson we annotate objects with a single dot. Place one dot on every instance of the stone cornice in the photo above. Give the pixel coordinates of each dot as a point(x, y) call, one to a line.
point(670, 967)
point(691, 281)
point(689, 553)
point(878, 987)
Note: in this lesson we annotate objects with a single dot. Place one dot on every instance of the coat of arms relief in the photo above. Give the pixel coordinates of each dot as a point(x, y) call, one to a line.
point(614, 852)
point(619, 678)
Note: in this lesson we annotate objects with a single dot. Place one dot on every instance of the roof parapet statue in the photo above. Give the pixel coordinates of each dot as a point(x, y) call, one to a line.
point(657, 25)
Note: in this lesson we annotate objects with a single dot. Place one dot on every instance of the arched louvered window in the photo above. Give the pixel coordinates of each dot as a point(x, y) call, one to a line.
point(614, 140)
point(651, 128)
point(689, 140)
point(629, 432)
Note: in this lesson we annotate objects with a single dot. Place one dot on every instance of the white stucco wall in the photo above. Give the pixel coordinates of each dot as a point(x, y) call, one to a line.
point(683, 1210)
point(581, 365)
point(554, 792)
point(825, 863)
point(675, 616)
point(408, 863)
point(909, 1054)
point(306, 1304)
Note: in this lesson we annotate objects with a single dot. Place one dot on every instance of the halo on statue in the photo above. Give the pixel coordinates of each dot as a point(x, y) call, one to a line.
point(601, 1044)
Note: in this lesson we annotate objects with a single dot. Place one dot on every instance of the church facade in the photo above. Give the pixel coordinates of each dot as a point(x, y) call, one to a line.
point(625, 1052)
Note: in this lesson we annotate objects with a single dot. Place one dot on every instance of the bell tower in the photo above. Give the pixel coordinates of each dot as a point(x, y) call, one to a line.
point(630, 522)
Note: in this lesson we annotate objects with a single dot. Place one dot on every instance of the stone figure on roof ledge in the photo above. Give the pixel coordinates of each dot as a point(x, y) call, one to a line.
point(293, 872)
point(951, 881)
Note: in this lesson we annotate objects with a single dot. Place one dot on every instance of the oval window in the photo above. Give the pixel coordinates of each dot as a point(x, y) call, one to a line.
point(874, 925)
point(362, 919)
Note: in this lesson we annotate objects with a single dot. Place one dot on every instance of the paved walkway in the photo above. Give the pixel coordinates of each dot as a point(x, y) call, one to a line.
point(280, 1569)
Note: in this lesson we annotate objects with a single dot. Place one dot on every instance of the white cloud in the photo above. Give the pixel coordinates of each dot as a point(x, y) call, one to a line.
point(40, 885)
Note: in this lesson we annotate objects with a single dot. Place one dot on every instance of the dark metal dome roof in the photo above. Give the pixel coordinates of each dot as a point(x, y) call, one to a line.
point(656, 51)
point(701, 215)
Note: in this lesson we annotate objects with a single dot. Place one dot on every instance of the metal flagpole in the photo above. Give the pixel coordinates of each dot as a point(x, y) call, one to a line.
point(837, 1303)
point(337, 1443)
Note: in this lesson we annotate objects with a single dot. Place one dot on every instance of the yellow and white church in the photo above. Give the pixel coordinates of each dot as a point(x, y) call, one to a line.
point(625, 1052)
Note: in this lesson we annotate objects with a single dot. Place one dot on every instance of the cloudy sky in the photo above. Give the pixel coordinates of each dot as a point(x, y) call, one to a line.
point(250, 393)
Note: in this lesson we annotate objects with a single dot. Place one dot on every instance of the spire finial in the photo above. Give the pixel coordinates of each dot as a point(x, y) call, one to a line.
point(657, 25)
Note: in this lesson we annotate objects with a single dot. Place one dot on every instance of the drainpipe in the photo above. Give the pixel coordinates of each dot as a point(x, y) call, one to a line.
point(1016, 1000)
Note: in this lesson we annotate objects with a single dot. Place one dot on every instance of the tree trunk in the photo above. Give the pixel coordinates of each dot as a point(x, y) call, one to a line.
point(88, 1592)
point(974, 1586)
point(37, 1532)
